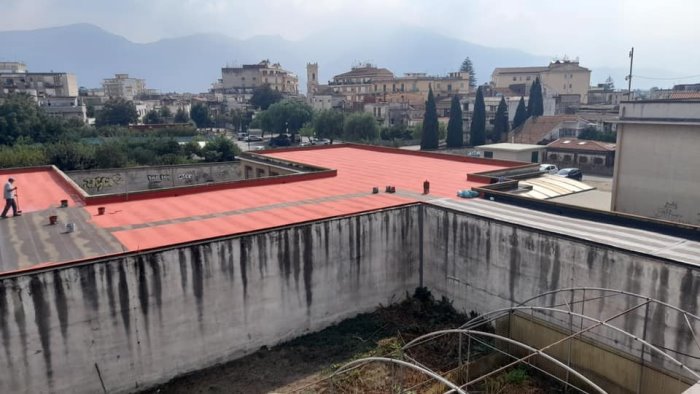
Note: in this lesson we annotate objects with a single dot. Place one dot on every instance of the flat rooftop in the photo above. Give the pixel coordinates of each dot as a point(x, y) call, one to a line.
point(162, 220)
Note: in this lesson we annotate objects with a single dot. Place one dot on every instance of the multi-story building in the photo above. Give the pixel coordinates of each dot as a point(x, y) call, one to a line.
point(366, 83)
point(241, 81)
point(561, 77)
point(656, 165)
point(64, 107)
point(123, 86)
point(14, 78)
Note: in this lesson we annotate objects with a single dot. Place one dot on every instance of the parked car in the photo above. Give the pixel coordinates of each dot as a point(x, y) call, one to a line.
point(572, 173)
point(241, 136)
point(549, 168)
point(280, 140)
point(253, 138)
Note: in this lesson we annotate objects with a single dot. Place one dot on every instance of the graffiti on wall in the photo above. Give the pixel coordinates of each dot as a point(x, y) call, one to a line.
point(669, 212)
point(100, 183)
point(157, 178)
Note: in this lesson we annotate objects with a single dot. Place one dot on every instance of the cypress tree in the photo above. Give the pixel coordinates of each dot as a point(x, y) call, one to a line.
point(520, 114)
point(477, 132)
point(500, 125)
point(535, 106)
point(429, 139)
point(454, 126)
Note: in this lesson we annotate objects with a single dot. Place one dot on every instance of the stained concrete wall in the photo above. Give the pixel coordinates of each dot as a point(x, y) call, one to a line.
point(484, 265)
point(136, 321)
point(127, 180)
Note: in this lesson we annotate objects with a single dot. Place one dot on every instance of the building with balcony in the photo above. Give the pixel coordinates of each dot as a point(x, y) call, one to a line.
point(242, 81)
point(64, 107)
point(559, 78)
point(123, 86)
point(15, 78)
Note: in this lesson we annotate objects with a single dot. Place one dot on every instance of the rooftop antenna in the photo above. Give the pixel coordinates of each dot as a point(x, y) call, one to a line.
point(628, 78)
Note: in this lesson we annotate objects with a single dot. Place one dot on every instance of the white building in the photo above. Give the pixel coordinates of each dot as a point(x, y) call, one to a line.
point(559, 78)
point(123, 86)
point(14, 78)
point(64, 107)
point(243, 80)
point(657, 161)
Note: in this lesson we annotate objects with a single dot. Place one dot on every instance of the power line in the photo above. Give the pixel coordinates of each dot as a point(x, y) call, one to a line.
point(668, 79)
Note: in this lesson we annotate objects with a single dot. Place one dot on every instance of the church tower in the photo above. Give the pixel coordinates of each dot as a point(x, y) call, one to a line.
point(311, 79)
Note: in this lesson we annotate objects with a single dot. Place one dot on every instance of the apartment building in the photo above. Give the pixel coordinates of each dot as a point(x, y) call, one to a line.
point(367, 83)
point(243, 80)
point(15, 78)
point(559, 78)
point(123, 86)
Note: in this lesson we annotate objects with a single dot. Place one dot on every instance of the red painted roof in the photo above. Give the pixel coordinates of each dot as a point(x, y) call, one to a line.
point(159, 222)
point(39, 188)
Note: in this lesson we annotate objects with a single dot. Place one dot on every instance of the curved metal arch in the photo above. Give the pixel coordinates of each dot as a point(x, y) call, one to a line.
point(561, 290)
point(601, 322)
point(420, 339)
point(452, 386)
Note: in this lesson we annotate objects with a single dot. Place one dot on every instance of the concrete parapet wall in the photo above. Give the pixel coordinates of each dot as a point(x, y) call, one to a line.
point(128, 180)
point(132, 322)
point(484, 264)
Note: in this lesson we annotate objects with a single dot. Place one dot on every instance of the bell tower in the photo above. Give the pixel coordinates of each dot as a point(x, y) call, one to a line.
point(311, 79)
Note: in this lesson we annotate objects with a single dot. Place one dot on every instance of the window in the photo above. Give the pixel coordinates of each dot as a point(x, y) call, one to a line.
point(569, 86)
point(567, 158)
point(248, 172)
point(260, 173)
point(272, 173)
point(527, 78)
point(583, 159)
point(488, 154)
point(515, 79)
point(553, 157)
point(598, 161)
point(535, 157)
point(449, 88)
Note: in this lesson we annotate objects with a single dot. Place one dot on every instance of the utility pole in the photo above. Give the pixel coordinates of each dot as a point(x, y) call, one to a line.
point(629, 77)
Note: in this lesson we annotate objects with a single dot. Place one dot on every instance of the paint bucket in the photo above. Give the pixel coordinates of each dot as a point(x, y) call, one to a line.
point(53, 219)
point(70, 227)
point(64, 203)
point(100, 210)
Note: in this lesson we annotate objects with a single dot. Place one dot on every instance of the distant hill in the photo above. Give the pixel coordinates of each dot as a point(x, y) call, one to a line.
point(192, 63)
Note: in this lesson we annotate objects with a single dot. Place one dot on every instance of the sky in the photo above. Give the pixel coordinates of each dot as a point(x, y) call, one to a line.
point(599, 32)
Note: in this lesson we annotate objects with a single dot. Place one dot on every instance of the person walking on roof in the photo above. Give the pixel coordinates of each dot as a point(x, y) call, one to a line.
point(10, 199)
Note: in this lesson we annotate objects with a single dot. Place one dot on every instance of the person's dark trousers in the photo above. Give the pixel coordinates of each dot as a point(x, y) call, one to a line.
point(10, 202)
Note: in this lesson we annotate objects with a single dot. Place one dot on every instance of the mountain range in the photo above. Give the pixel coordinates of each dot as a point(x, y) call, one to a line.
point(192, 63)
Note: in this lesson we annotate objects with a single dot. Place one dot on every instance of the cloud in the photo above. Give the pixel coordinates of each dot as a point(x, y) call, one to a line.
point(600, 32)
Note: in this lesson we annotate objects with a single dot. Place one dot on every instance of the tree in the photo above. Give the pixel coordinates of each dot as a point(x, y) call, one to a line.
point(152, 117)
point(329, 124)
point(220, 149)
point(200, 115)
point(477, 131)
point(181, 116)
point(520, 114)
point(117, 111)
point(609, 84)
point(165, 113)
point(429, 138)
point(454, 126)
point(287, 115)
point(21, 117)
point(360, 126)
point(467, 67)
point(500, 124)
point(264, 96)
point(70, 156)
point(112, 154)
point(535, 105)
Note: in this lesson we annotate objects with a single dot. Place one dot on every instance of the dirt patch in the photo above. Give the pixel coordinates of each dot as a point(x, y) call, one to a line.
point(304, 364)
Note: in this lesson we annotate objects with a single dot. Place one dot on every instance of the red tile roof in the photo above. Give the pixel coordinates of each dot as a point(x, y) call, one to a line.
point(536, 129)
